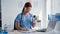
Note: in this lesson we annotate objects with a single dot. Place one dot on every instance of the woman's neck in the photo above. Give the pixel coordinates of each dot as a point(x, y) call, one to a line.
point(26, 14)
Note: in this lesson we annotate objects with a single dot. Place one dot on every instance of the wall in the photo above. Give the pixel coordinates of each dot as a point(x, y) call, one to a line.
point(9, 11)
point(55, 6)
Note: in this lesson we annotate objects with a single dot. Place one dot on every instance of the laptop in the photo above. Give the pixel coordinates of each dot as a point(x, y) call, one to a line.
point(51, 26)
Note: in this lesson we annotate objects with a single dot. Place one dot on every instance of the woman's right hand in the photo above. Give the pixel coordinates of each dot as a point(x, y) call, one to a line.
point(20, 28)
point(24, 29)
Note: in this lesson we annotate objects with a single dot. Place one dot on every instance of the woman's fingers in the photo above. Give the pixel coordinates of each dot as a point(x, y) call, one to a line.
point(25, 29)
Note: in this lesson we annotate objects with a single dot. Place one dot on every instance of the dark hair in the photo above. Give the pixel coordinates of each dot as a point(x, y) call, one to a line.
point(27, 4)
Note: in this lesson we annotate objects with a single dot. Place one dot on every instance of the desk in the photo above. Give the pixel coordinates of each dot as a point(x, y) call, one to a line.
point(50, 32)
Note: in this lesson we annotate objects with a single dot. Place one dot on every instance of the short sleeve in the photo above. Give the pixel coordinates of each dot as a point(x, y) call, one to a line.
point(32, 19)
point(18, 18)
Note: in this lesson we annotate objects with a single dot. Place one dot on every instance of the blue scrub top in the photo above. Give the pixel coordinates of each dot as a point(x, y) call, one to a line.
point(25, 21)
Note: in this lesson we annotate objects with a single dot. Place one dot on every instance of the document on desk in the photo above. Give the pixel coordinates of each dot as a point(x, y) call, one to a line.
point(29, 31)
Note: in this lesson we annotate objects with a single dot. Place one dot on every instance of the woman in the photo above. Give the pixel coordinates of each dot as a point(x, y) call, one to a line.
point(24, 20)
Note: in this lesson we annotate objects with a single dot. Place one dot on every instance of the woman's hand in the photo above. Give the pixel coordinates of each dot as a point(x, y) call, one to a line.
point(33, 24)
point(25, 29)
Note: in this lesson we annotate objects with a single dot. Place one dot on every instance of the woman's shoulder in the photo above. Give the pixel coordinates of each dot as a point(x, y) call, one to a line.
point(31, 14)
point(19, 14)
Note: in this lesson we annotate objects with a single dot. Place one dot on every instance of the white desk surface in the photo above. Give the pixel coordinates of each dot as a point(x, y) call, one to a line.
point(50, 32)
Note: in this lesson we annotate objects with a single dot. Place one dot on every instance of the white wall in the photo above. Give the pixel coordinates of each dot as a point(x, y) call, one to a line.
point(48, 11)
point(43, 22)
point(55, 6)
point(9, 11)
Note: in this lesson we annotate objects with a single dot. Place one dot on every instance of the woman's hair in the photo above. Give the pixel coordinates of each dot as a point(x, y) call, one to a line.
point(27, 4)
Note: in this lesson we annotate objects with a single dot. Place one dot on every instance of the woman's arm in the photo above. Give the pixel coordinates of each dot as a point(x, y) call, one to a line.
point(33, 24)
point(20, 28)
point(17, 25)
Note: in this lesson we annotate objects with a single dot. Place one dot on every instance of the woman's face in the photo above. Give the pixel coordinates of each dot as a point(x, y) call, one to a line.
point(27, 9)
